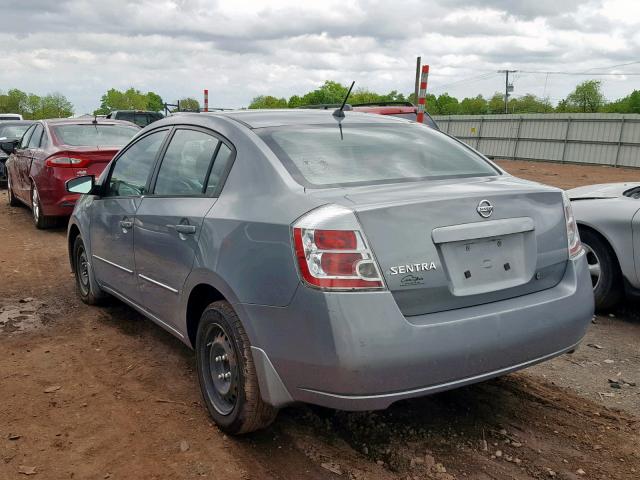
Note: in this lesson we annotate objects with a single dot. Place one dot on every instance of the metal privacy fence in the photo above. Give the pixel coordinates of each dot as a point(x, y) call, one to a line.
point(604, 138)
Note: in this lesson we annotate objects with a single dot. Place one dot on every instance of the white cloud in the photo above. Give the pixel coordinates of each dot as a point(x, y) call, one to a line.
point(243, 48)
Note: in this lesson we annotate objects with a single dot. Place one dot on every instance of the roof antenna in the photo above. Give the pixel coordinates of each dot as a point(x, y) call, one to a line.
point(339, 113)
point(95, 119)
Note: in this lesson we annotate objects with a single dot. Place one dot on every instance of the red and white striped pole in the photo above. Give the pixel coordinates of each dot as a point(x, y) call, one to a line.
point(206, 100)
point(423, 93)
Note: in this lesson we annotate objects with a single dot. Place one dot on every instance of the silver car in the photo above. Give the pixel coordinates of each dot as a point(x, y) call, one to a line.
point(608, 217)
point(346, 262)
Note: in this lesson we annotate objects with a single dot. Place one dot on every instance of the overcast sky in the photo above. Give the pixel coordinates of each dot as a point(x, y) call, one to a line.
point(239, 49)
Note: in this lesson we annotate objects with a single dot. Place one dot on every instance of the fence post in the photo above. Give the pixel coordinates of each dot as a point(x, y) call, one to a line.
point(619, 142)
point(515, 147)
point(479, 132)
point(566, 138)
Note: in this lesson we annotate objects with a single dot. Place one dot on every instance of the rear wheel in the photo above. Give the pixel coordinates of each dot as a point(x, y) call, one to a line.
point(41, 221)
point(13, 201)
point(227, 374)
point(606, 277)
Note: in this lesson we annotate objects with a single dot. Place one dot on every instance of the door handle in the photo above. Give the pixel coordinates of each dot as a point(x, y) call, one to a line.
point(126, 224)
point(186, 229)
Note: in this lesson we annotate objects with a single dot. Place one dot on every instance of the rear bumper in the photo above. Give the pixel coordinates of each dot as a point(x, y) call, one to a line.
point(54, 198)
point(356, 351)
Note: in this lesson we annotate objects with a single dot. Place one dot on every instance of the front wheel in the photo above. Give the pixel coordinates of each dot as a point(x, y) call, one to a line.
point(606, 277)
point(13, 200)
point(88, 292)
point(226, 372)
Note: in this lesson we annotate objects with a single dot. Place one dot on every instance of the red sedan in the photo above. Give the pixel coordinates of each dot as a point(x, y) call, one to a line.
point(54, 151)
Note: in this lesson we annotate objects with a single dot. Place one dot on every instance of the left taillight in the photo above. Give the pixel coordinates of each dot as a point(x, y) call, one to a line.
point(573, 237)
point(66, 162)
point(332, 251)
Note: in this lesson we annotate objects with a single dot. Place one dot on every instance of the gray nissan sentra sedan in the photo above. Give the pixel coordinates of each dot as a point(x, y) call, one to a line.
point(346, 262)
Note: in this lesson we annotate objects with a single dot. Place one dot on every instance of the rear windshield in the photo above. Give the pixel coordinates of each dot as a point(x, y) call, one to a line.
point(93, 135)
point(366, 154)
point(13, 131)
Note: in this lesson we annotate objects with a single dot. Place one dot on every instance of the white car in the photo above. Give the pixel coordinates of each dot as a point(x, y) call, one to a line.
point(10, 116)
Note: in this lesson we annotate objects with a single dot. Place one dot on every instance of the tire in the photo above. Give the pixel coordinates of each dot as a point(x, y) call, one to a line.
point(88, 292)
point(605, 271)
point(222, 347)
point(13, 201)
point(41, 221)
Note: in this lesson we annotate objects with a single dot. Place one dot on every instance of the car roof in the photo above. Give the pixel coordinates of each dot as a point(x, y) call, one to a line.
point(16, 122)
point(85, 121)
point(285, 117)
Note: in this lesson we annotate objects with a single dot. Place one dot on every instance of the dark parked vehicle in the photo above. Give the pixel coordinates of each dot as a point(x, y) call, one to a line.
point(10, 131)
point(53, 151)
point(139, 117)
point(346, 261)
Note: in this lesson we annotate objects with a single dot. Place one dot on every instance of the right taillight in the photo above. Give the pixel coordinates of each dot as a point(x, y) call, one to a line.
point(332, 251)
point(573, 237)
point(66, 162)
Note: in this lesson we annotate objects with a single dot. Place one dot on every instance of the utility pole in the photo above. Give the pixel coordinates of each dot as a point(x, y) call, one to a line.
point(507, 88)
point(417, 87)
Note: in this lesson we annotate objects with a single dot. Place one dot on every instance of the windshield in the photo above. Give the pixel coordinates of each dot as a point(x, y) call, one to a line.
point(365, 154)
point(89, 135)
point(13, 131)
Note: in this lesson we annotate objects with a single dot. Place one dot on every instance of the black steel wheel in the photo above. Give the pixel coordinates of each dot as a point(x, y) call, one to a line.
point(226, 372)
point(88, 292)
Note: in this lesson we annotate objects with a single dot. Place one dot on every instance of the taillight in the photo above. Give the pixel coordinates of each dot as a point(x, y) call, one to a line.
point(65, 161)
point(573, 237)
point(332, 251)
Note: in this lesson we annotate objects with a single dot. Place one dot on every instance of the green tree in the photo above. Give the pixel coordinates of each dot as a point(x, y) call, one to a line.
point(267, 101)
point(473, 106)
point(55, 105)
point(529, 103)
point(154, 102)
point(587, 97)
point(294, 101)
point(495, 105)
point(189, 104)
point(329, 92)
point(130, 99)
point(447, 105)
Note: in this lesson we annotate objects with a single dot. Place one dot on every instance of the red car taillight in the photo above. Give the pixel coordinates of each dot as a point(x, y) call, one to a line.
point(65, 161)
point(334, 258)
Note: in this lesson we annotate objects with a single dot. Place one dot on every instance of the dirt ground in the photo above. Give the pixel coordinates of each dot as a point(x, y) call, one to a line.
point(97, 393)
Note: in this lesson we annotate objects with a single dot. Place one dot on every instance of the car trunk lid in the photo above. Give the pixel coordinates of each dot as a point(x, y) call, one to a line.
point(440, 246)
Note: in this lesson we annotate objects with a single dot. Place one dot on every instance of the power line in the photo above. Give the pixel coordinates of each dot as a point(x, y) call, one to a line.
point(581, 73)
point(484, 76)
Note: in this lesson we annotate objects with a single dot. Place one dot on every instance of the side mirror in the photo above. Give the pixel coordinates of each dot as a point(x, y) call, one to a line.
point(84, 184)
point(9, 146)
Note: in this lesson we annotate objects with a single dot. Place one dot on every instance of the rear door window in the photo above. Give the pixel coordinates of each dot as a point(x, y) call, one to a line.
point(219, 169)
point(34, 141)
point(186, 163)
point(132, 169)
point(26, 137)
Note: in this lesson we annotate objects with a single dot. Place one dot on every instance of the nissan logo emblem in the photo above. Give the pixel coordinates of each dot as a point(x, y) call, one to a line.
point(485, 209)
